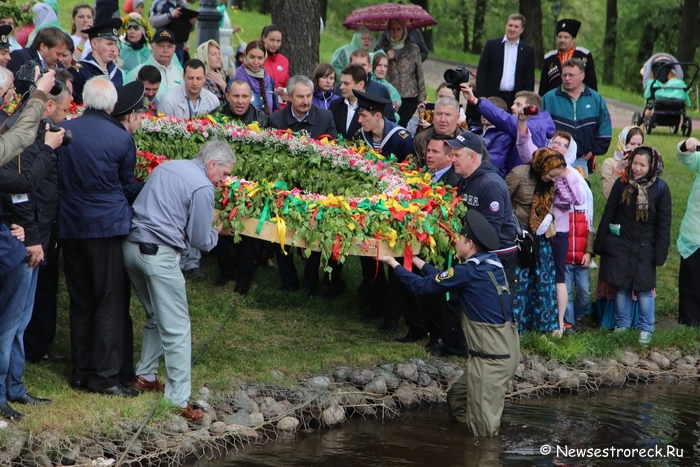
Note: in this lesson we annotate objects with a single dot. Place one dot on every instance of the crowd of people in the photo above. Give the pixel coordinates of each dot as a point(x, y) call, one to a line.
point(518, 158)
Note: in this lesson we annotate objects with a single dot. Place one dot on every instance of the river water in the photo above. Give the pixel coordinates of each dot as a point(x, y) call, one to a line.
point(661, 418)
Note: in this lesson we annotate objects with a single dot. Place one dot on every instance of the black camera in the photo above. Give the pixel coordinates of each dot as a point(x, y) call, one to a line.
point(53, 128)
point(25, 76)
point(455, 77)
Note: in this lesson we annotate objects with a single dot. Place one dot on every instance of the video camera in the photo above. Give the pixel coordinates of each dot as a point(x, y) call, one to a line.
point(456, 76)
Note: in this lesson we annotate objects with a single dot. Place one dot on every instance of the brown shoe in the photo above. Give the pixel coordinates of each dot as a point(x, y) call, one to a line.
point(191, 414)
point(141, 384)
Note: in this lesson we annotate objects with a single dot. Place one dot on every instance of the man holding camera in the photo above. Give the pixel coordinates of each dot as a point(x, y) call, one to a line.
point(48, 45)
point(17, 261)
point(100, 61)
point(97, 188)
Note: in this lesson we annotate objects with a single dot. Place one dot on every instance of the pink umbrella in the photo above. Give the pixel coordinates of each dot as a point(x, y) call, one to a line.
point(376, 17)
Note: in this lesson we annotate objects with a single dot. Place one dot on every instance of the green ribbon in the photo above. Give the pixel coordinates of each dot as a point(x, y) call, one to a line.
point(263, 216)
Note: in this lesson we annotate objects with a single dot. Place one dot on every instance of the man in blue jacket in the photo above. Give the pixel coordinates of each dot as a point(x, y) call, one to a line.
point(97, 189)
point(540, 125)
point(581, 111)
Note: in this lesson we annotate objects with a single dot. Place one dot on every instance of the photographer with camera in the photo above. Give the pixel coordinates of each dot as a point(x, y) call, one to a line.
point(540, 125)
point(49, 44)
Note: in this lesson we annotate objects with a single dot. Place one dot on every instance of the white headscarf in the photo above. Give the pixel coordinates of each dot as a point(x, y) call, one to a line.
point(622, 142)
point(43, 14)
point(570, 156)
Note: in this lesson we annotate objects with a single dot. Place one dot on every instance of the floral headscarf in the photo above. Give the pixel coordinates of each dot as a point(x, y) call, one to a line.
point(137, 19)
point(642, 185)
point(401, 42)
point(543, 161)
point(622, 142)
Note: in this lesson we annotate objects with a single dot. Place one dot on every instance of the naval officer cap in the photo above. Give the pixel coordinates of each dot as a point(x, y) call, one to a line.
point(366, 101)
point(467, 140)
point(130, 98)
point(569, 25)
point(5, 31)
point(480, 231)
point(108, 30)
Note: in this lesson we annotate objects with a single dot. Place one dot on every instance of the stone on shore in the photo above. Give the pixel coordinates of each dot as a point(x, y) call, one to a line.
point(319, 382)
point(407, 371)
point(629, 358)
point(533, 377)
point(361, 377)
point(648, 365)
point(243, 401)
point(333, 415)
point(390, 379)
point(660, 360)
point(341, 373)
point(239, 418)
point(376, 386)
point(217, 428)
point(406, 395)
point(288, 424)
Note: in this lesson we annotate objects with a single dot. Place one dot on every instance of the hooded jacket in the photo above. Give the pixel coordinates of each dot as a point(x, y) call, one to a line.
point(341, 57)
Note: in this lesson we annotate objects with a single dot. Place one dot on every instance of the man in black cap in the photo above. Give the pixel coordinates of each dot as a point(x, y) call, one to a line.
point(477, 398)
point(483, 190)
point(567, 29)
point(100, 61)
point(97, 189)
point(171, 72)
point(377, 131)
point(5, 31)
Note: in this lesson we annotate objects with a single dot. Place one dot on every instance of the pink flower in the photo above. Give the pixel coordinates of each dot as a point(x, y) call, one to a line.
point(205, 134)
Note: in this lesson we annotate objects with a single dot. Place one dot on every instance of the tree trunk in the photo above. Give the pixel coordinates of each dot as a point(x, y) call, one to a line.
point(687, 37)
point(427, 32)
point(301, 36)
point(479, 17)
point(610, 42)
point(532, 11)
point(465, 31)
point(647, 43)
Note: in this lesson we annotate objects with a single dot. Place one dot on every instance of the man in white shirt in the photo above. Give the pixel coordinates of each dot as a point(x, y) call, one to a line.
point(190, 99)
point(163, 48)
point(507, 65)
point(352, 77)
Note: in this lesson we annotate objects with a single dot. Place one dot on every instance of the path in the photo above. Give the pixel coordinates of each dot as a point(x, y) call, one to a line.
point(620, 112)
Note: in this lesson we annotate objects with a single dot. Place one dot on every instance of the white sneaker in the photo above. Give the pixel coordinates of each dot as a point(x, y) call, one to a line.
point(645, 338)
point(593, 265)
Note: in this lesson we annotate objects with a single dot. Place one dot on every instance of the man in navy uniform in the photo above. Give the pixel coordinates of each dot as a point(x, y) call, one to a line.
point(567, 29)
point(477, 397)
point(5, 31)
point(99, 62)
point(377, 131)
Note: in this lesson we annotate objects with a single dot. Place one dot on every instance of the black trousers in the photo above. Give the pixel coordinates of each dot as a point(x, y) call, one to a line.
point(373, 286)
point(689, 290)
point(399, 300)
point(41, 330)
point(101, 331)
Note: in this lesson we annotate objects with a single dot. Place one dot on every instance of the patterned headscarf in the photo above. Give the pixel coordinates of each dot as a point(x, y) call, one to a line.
point(641, 186)
point(543, 161)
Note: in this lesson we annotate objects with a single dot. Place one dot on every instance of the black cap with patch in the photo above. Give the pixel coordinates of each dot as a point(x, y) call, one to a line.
point(5, 31)
point(130, 98)
point(163, 35)
point(569, 25)
point(480, 231)
point(108, 30)
point(366, 101)
point(467, 140)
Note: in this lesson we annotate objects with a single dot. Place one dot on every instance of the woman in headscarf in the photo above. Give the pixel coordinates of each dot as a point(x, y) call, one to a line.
point(81, 18)
point(363, 39)
point(44, 17)
point(405, 68)
point(324, 80)
point(531, 187)
point(210, 54)
point(135, 45)
point(380, 66)
point(631, 137)
point(253, 72)
point(634, 236)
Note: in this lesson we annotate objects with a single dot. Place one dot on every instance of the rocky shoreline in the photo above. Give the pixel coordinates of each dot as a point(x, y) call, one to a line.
point(257, 413)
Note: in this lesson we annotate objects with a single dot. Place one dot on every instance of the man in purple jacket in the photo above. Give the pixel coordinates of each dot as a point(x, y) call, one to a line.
point(541, 125)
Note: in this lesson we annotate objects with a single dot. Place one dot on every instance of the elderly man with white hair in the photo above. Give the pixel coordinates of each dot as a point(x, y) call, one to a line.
point(173, 213)
point(97, 188)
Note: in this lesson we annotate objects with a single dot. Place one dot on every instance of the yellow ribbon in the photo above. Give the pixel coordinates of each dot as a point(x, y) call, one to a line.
point(281, 231)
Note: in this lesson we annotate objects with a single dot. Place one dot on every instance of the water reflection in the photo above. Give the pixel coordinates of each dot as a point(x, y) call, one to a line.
point(652, 417)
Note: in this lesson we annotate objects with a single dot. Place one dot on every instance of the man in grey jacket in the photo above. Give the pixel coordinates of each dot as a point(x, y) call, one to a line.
point(172, 214)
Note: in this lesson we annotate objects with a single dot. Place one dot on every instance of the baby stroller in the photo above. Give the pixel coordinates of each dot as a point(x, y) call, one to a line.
point(666, 94)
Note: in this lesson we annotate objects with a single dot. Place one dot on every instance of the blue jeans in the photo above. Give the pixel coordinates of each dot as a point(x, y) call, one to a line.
point(623, 303)
point(17, 289)
point(579, 162)
point(579, 277)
